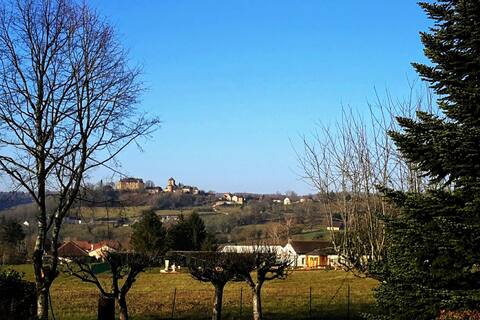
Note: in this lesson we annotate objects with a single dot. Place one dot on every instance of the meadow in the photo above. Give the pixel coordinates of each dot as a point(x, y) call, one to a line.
point(318, 294)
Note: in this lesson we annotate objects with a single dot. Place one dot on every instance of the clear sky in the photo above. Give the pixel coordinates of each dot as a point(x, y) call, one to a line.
point(234, 81)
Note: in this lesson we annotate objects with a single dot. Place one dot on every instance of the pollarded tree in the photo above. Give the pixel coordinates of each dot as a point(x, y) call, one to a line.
point(67, 105)
point(432, 255)
point(265, 264)
point(218, 268)
point(124, 268)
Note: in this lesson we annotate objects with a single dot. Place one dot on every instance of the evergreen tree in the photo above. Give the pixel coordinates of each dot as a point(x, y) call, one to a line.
point(148, 236)
point(432, 261)
point(190, 234)
point(179, 236)
point(198, 231)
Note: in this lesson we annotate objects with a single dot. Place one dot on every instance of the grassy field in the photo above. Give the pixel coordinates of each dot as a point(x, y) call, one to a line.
point(312, 235)
point(152, 297)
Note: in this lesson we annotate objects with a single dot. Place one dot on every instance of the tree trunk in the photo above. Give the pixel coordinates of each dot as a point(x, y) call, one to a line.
point(106, 307)
point(257, 302)
point(122, 304)
point(42, 304)
point(217, 306)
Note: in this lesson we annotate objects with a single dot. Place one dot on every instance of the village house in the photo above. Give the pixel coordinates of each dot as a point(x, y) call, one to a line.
point(312, 254)
point(130, 184)
point(173, 187)
point(305, 254)
point(287, 201)
point(238, 199)
point(78, 248)
point(335, 225)
point(233, 199)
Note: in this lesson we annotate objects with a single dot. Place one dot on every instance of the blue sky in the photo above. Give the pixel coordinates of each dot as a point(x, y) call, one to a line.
point(234, 81)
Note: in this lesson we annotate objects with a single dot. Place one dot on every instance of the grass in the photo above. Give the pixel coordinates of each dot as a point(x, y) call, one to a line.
point(152, 295)
point(312, 235)
point(185, 212)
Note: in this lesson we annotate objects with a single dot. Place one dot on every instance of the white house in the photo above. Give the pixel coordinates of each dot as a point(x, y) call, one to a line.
point(308, 254)
point(312, 254)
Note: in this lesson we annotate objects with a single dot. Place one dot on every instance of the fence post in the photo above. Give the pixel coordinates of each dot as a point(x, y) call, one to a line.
point(348, 301)
point(241, 301)
point(106, 308)
point(310, 303)
point(173, 303)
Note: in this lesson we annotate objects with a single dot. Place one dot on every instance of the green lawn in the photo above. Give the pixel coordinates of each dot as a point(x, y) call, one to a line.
point(321, 233)
point(152, 295)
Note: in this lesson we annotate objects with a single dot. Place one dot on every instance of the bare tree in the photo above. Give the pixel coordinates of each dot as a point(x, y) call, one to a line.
point(265, 264)
point(124, 268)
point(218, 268)
point(149, 184)
point(347, 162)
point(67, 106)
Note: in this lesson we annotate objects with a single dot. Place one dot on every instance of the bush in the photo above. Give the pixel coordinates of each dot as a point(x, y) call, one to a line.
point(17, 296)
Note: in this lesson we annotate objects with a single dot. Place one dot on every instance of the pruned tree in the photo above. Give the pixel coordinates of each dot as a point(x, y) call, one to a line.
point(264, 263)
point(124, 268)
point(347, 162)
point(67, 106)
point(218, 268)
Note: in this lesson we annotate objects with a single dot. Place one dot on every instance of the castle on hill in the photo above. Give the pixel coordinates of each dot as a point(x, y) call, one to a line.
point(137, 184)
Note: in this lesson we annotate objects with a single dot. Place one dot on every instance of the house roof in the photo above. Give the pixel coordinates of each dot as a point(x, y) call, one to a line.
point(85, 245)
point(321, 252)
point(307, 246)
point(71, 249)
point(114, 244)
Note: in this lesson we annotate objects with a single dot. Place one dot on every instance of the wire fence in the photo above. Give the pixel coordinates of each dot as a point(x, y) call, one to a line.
point(314, 294)
point(300, 303)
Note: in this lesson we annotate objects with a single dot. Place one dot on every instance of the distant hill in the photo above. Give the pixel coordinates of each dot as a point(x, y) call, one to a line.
point(12, 199)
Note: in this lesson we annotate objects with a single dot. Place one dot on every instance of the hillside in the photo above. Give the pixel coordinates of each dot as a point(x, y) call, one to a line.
point(11, 199)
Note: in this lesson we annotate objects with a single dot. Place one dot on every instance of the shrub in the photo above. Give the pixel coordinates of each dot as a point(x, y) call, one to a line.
point(17, 296)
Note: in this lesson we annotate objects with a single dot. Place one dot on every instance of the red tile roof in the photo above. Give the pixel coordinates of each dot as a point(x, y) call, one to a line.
point(85, 245)
point(71, 249)
point(80, 248)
